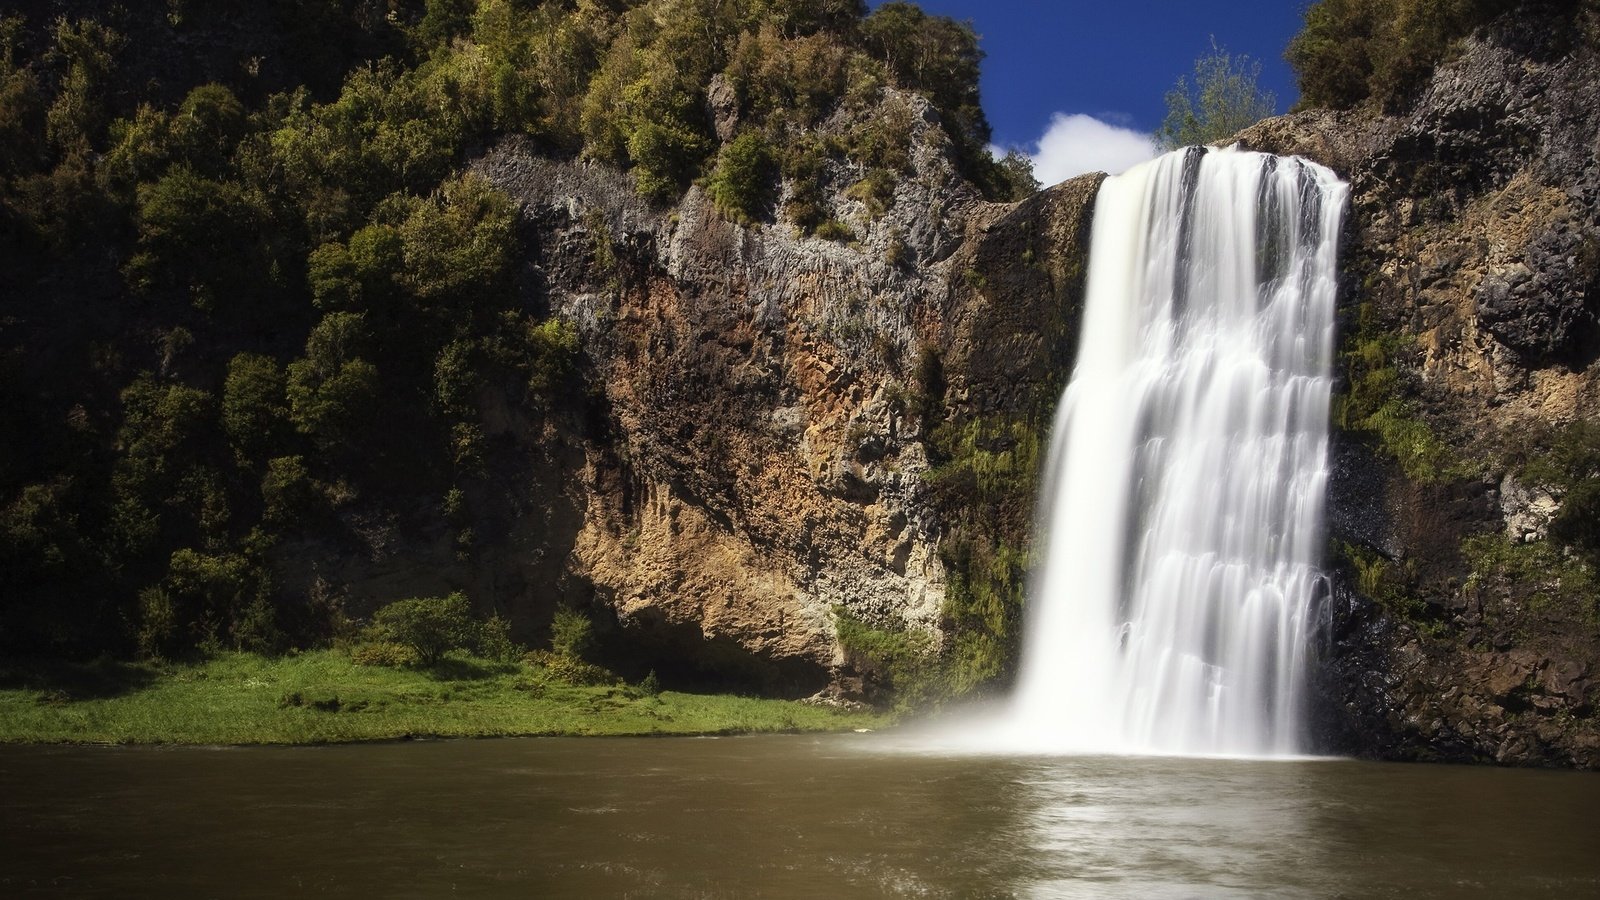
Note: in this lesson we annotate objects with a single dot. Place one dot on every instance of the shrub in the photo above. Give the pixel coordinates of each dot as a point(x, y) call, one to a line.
point(651, 685)
point(1350, 50)
point(287, 490)
point(429, 626)
point(206, 599)
point(384, 653)
point(568, 669)
point(331, 392)
point(201, 236)
point(835, 230)
point(494, 641)
point(1332, 54)
point(664, 155)
point(741, 185)
point(904, 661)
point(571, 633)
point(253, 413)
point(934, 54)
point(1577, 524)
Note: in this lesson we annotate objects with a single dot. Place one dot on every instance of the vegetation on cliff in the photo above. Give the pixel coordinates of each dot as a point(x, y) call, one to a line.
point(1223, 100)
point(1352, 51)
point(1466, 602)
point(252, 298)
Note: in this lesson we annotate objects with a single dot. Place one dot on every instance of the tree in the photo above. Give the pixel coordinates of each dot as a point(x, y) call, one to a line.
point(332, 391)
point(1223, 100)
point(430, 626)
point(740, 186)
point(253, 411)
point(1017, 170)
point(935, 54)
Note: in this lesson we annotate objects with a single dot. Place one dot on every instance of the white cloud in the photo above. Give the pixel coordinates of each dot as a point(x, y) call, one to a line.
point(1075, 144)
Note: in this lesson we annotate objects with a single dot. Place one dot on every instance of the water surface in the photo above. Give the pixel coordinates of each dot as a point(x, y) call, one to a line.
point(786, 816)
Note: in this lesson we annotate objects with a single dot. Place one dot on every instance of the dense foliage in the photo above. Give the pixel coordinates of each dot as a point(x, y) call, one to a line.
point(1355, 51)
point(250, 295)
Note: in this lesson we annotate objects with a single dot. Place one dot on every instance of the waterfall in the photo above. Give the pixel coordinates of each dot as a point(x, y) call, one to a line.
point(1181, 513)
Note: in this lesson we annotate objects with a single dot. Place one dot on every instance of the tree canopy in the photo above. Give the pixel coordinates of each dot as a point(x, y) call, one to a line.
point(224, 276)
point(1223, 98)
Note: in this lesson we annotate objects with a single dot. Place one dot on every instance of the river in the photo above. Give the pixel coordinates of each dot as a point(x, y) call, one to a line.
point(781, 816)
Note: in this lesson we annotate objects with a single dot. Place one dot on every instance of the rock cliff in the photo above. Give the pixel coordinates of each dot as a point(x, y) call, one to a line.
point(758, 461)
point(784, 432)
point(1472, 289)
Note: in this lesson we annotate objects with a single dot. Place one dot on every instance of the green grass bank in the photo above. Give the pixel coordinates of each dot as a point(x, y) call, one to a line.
point(324, 697)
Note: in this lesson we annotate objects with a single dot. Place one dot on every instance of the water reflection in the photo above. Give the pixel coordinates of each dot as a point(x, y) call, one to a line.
point(845, 816)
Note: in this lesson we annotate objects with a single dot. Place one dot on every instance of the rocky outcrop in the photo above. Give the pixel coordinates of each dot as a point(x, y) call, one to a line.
point(775, 423)
point(759, 456)
point(1470, 310)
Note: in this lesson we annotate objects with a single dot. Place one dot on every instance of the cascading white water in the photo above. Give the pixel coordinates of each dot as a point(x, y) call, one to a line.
point(1182, 507)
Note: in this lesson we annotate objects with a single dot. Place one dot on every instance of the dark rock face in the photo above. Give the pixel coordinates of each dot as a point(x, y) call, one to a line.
point(1453, 632)
point(1546, 306)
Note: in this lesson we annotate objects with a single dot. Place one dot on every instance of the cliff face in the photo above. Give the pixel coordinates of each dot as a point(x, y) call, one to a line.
point(783, 432)
point(754, 459)
point(1461, 629)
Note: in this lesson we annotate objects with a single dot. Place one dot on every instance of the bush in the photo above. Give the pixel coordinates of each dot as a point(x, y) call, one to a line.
point(569, 670)
point(1350, 50)
point(387, 654)
point(1332, 56)
point(1577, 524)
point(651, 685)
point(494, 641)
point(835, 230)
point(429, 626)
point(253, 412)
point(904, 662)
point(332, 392)
point(201, 236)
point(571, 633)
point(741, 185)
point(664, 156)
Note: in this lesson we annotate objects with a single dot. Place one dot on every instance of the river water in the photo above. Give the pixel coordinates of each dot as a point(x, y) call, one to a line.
point(782, 816)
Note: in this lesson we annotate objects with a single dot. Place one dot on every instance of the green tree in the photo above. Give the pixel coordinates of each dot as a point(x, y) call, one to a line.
point(1223, 99)
point(457, 245)
point(203, 236)
point(80, 111)
point(209, 124)
point(934, 54)
point(571, 633)
point(1332, 56)
point(741, 184)
point(430, 626)
point(253, 412)
point(1017, 169)
point(1385, 50)
point(331, 390)
point(202, 602)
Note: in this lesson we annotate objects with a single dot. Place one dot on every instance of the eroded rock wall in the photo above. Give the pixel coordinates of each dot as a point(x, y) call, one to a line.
point(1469, 322)
point(760, 453)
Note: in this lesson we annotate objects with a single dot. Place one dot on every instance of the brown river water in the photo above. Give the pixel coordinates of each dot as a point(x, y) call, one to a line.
point(781, 816)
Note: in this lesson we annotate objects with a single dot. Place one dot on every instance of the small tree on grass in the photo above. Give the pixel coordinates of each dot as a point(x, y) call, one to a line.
point(571, 633)
point(430, 626)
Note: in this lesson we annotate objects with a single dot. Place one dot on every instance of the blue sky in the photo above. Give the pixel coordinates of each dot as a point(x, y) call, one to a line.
point(1095, 68)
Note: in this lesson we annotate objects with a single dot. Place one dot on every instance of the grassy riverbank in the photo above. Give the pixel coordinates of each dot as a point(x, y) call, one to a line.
point(322, 696)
